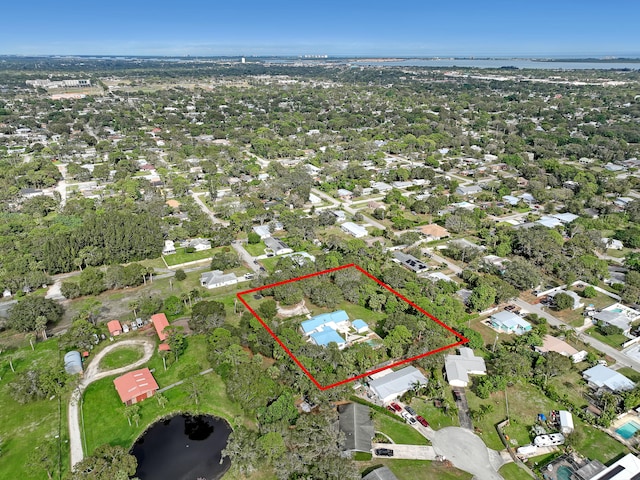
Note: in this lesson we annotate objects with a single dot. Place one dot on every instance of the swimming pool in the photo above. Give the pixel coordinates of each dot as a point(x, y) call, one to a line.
point(628, 430)
point(564, 473)
point(616, 310)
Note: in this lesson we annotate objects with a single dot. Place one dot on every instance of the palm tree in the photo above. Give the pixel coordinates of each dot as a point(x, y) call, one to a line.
point(162, 400)
point(134, 305)
point(31, 336)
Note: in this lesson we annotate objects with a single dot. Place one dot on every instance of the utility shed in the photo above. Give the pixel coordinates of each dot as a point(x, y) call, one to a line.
point(73, 363)
point(393, 385)
point(566, 422)
point(355, 422)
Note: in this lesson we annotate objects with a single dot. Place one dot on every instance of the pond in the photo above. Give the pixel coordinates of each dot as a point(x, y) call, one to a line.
point(183, 447)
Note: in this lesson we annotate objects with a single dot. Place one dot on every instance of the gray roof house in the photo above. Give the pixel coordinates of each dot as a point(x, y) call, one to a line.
point(382, 473)
point(410, 262)
point(277, 246)
point(354, 420)
point(394, 384)
point(217, 279)
point(469, 190)
point(459, 367)
point(603, 377)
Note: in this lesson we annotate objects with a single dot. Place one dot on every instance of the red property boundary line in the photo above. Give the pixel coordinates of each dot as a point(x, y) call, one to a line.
point(240, 295)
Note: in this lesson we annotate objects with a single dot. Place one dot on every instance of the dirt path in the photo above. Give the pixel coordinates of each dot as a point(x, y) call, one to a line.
point(91, 374)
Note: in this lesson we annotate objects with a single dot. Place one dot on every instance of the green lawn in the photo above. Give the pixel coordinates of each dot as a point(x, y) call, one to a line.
point(23, 426)
point(398, 430)
point(269, 263)
point(255, 249)
point(630, 373)
point(435, 416)
point(615, 341)
point(416, 469)
point(511, 471)
point(181, 256)
point(104, 412)
point(121, 357)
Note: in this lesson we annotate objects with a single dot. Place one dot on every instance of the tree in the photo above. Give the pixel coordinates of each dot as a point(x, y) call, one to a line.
point(253, 238)
point(43, 458)
point(206, 316)
point(521, 274)
point(41, 326)
point(177, 340)
point(180, 275)
point(563, 301)
point(589, 292)
point(23, 315)
point(161, 399)
point(132, 412)
point(482, 297)
point(194, 387)
point(241, 450)
point(108, 462)
point(268, 309)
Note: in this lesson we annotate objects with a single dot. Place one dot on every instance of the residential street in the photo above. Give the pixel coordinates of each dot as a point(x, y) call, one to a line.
point(205, 209)
point(341, 205)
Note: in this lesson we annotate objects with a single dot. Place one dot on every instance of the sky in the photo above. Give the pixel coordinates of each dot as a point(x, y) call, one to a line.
point(346, 27)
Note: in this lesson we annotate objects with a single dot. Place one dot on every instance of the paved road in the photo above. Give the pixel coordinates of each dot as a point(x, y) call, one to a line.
point(246, 256)
point(452, 266)
point(467, 452)
point(91, 374)
point(206, 210)
point(352, 211)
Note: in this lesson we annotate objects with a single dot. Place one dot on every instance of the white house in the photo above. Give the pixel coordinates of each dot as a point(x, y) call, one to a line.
point(394, 384)
point(199, 244)
point(509, 322)
point(612, 243)
point(459, 367)
point(353, 229)
point(277, 246)
point(314, 199)
point(601, 376)
point(217, 279)
point(169, 247)
point(469, 190)
point(263, 231)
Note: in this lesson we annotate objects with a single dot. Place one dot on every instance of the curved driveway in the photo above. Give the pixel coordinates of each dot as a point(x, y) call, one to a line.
point(91, 374)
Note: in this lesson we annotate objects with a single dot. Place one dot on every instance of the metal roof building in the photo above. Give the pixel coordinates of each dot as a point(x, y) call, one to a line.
point(458, 367)
point(601, 376)
point(73, 362)
point(133, 387)
point(355, 421)
point(394, 384)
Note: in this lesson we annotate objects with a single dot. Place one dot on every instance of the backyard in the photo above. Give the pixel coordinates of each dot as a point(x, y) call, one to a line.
point(397, 430)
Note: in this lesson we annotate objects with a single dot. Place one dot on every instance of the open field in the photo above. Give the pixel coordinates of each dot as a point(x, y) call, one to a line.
point(255, 249)
point(181, 256)
point(121, 357)
point(22, 427)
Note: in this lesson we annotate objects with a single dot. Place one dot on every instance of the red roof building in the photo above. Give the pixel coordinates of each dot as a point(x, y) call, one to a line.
point(133, 387)
point(160, 321)
point(114, 327)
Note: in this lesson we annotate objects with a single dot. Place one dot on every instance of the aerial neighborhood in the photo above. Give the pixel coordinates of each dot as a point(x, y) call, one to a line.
point(352, 269)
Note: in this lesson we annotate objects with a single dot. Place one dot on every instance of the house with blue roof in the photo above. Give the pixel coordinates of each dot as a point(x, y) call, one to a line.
point(360, 326)
point(509, 322)
point(324, 319)
point(325, 337)
point(331, 327)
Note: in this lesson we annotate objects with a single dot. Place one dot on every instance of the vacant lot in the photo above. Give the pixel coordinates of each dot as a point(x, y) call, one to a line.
point(121, 357)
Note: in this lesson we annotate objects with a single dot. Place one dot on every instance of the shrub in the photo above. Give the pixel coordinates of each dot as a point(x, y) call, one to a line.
point(589, 292)
point(180, 275)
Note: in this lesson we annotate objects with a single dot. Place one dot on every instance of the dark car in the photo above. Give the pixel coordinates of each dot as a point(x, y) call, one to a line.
point(410, 410)
point(422, 421)
point(395, 406)
point(384, 452)
point(457, 395)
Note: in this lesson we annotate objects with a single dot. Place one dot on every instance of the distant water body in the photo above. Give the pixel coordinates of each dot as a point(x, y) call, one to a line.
point(521, 63)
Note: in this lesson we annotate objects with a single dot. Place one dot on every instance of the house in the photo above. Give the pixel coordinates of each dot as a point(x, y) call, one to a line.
point(577, 301)
point(263, 231)
point(344, 194)
point(554, 344)
point(314, 199)
point(434, 231)
point(468, 190)
point(133, 387)
point(549, 222)
point(435, 276)
point(619, 316)
point(360, 326)
point(566, 422)
point(169, 247)
point(496, 261)
point(622, 202)
point(325, 337)
point(114, 327)
point(459, 367)
point(395, 383)
point(354, 420)
point(353, 229)
point(217, 279)
point(73, 363)
point(382, 473)
point(173, 203)
point(612, 243)
point(612, 167)
point(160, 322)
point(527, 198)
point(340, 215)
point(323, 329)
point(199, 244)
point(601, 376)
point(464, 243)
point(410, 262)
point(627, 468)
point(565, 218)
point(277, 246)
point(509, 322)
point(511, 200)
point(381, 187)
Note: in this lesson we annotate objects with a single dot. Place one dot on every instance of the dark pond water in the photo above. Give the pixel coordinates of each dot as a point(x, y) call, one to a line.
point(183, 447)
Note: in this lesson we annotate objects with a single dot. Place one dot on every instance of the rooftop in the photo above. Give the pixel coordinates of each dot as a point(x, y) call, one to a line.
point(135, 383)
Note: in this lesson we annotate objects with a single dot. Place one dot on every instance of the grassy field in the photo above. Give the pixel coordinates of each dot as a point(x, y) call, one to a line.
point(630, 373)
point(398, 430)
point(104, 412)
point(416, 469)
point(269, 263)
point(181, 256)
point(511, 471)
point(120, 357)
point(615, 341)
point(525, 402)
point(24, 426)
point(255, 249)
point(435, 416)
